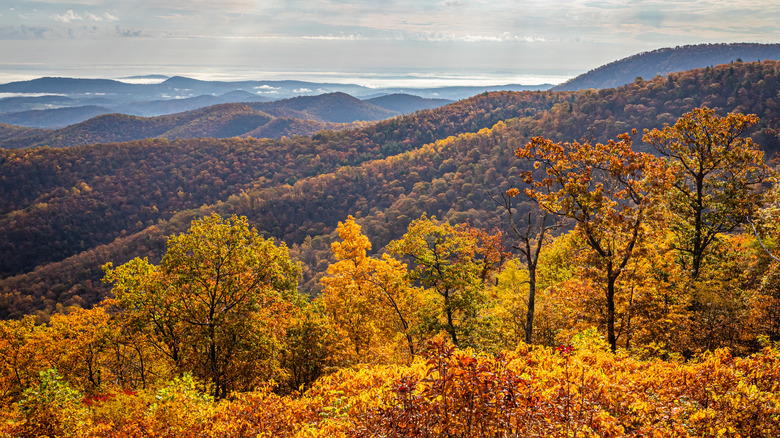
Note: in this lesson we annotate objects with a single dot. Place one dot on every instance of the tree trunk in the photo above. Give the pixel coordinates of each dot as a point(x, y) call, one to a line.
point(611, 279)
point(529, 319)
point(450, 322)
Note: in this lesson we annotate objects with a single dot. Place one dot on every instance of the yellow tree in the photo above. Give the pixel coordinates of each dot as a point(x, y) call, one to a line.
point(607, 189)
point(19, 359)
point(369, 299)
point(217, 303)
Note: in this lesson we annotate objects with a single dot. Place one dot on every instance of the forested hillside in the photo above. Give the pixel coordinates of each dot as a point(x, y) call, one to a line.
point(661, 62)
point(297, 189)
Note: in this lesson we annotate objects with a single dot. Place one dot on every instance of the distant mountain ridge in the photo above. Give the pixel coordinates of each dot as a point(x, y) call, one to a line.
point(667, 60)
point(178, 94)
point(405, 103)
point(303, 115)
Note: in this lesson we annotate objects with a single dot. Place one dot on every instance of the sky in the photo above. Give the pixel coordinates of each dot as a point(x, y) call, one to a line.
point(374, 42)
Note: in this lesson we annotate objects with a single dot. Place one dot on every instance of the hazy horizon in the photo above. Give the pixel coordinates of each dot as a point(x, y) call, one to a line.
point(499, 41)
point(370, 79)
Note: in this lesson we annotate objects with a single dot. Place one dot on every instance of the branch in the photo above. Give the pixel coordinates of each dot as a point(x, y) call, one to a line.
point(759, 239)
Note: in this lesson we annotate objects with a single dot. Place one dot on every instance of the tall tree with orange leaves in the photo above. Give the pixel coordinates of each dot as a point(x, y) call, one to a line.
point(370, 299)
point(607, 189)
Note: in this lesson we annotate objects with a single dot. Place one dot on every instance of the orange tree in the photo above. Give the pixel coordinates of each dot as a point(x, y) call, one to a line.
point(607, 189)
point(216, 304)
point(715, 169)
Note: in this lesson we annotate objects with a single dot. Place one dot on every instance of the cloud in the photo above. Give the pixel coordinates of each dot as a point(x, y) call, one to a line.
point(302, 90)
point(469, 38)
point(25, 32)
point(266, 87)
point(71, 16)
point(68, 17)
point(129, 33)
point(350, 37)
point(199, 6)
point(91, 16)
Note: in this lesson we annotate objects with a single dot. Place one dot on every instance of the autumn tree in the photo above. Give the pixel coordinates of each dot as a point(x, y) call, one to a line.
point(454, 261)
point(529, 237)
point(715, 169)
point(216, 304)
point(607, 189)
point(369, 298)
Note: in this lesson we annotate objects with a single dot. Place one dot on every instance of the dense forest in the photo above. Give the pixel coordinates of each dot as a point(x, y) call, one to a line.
point(596, 263)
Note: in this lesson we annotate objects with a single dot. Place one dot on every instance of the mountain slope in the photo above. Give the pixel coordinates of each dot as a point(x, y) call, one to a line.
point(663, 61)
point(15, 132)
point(333, 107)
point(406, 103)
point(53, 118)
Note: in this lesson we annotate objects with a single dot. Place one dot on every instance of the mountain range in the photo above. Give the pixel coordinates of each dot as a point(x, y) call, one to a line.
point(59, 102)
point(303, 115)
point(54, 103)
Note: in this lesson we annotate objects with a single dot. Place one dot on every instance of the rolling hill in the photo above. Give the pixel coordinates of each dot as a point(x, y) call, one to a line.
point(327, 111)
point(334, 108)
point(406, 103)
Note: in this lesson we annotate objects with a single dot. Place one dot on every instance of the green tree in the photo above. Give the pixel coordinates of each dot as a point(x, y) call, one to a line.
point(51, 409)
point(715, 169)
point(217, 304)
point(454, 261)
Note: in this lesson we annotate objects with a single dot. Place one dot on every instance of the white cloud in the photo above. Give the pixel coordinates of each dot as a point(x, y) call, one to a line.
point(71, 16)
point(68, 17)
point(302, 90)
point(91, 16)
point(266, 87)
